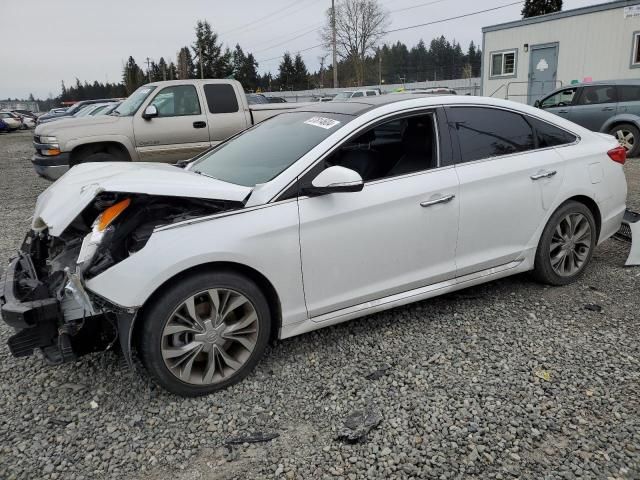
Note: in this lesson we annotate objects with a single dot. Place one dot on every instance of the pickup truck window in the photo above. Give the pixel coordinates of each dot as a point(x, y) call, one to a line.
point(263, 152)
point(221, 98)
point(132, 104)
point(177, 101)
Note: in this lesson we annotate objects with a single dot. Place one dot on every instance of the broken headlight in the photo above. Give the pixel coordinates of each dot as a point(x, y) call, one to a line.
point(102, 227)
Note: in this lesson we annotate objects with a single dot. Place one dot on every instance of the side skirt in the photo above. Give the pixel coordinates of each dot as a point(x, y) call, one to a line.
point(404, 298)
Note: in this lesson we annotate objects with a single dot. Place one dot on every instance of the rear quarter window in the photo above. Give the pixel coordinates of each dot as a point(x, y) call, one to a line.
point(221, 98)
point(548, 135)
point(629, 93)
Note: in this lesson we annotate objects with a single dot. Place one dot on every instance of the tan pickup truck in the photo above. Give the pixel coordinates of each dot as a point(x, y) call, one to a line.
point(159, 122)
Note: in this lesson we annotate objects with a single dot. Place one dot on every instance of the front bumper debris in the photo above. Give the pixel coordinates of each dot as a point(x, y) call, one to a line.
point(35, 318)
point(630, 231)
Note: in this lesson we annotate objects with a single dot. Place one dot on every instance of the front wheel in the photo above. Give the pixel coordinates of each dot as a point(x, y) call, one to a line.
point(628, 136)
point(566, 245)
point(205, 332)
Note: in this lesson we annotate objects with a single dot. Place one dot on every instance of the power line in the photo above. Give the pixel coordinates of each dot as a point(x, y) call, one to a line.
point(477, 12)
point(241, 27)
point(416, 6)
point(263, 23)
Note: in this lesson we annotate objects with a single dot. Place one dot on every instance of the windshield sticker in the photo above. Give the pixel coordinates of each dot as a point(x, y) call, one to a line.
point(145, 90)
point(322, 122)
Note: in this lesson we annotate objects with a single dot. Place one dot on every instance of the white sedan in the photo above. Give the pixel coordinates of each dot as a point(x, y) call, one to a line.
point(12, 120)
point(309, 219)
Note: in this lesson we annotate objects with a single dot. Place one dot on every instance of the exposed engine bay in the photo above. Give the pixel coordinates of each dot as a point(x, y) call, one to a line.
point(42, 293)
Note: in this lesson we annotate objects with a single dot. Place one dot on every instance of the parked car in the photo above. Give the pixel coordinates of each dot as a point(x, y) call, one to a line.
point(314, 217)
point(163, 121)
point(25, 113)
point(256, 99)
point(611, 107)
point(72, 110)
point(4, 127)
point(27, 122)
point(57, 110)
point(107, 110)
point(91, 110)
point(12, 120)
point(434, 91)
point(276, 100)
point(347, 95)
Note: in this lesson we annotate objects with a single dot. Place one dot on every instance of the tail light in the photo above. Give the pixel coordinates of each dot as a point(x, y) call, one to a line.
point(618, 154)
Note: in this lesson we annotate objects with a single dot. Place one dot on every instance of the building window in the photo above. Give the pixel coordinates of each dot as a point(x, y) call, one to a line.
point(635, 50)
point(503, 64)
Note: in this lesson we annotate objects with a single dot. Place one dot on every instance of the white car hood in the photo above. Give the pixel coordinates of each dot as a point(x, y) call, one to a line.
point(63, 201)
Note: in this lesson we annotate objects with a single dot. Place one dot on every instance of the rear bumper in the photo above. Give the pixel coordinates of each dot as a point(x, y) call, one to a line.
point(51, 168)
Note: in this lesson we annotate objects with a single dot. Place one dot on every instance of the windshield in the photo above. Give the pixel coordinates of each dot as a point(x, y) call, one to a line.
point(342, 96)
point(133, 102)
point(76, 107)
point(263, 152)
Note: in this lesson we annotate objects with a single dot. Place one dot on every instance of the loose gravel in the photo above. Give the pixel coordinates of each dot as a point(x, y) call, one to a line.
point(506, 380)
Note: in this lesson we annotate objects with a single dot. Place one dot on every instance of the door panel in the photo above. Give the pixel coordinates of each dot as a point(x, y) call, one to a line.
point(628, 99)
point(178, 133)
point(543, 67)
point(501, 206)
point(358, 247)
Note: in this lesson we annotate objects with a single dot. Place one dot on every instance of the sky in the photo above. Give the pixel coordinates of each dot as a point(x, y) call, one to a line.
point(47, 41)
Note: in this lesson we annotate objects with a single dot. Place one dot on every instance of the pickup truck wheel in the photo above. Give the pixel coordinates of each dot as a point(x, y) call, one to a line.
point(628, 136)
point(205, 332)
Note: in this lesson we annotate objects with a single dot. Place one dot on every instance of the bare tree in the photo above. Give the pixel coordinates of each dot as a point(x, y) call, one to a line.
point(360, 25)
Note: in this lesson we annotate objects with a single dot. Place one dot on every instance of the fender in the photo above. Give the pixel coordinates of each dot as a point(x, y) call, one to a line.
point(621, 118)
point(121, 139)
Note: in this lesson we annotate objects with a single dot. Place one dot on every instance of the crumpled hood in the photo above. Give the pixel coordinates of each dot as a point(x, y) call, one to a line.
point(63, 201)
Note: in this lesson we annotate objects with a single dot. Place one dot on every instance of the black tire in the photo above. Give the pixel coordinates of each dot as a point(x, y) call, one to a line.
point(161, 307)
point(634, 149)
point(99, 157)
point(543, 269)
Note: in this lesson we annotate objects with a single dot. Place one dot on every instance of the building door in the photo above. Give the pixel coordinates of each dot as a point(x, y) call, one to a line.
point(543, 68)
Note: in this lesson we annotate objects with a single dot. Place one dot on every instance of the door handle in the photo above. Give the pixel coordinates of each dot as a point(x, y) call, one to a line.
point(563, 111)
point(608, 109)
point(199, 124)
point(445, 199)
point(539, 176)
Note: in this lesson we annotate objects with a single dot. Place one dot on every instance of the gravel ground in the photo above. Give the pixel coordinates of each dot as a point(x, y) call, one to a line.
point(506, 380)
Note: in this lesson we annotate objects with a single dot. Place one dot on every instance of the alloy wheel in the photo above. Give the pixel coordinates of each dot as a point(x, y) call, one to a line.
point(210, 336)
point(570, 244)
point(625, 138)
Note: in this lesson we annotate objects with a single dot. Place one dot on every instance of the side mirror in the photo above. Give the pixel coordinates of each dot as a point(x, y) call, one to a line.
point(536, 104)
point(335, 179)
point(150, 112)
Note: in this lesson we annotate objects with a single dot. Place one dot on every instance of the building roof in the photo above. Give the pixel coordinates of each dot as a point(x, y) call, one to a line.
point(564, 14)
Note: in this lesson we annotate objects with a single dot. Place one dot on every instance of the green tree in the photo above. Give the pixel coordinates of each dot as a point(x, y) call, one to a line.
point(286, 72)
point(533, 8)
point(300, 79)
point(245, 69)
point(185, 67)
point(132, 77)
point(210, 60)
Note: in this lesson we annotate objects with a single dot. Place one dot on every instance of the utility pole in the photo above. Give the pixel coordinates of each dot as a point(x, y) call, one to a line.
point(380, 69)
point(149, 69)
point(200, 56)
point(335, 51)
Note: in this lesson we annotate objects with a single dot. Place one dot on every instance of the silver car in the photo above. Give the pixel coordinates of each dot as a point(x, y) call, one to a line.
point(608, 106)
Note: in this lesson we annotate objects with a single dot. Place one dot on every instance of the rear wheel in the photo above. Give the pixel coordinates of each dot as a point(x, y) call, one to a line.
point(566, 245)
point(628, 136)
point(205, 333)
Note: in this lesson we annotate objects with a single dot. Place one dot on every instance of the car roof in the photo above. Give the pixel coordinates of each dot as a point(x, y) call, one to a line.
point(362, 104)
point(630, 81)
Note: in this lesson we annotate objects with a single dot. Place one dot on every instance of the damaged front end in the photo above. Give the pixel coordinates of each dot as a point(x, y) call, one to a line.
point(42, 292)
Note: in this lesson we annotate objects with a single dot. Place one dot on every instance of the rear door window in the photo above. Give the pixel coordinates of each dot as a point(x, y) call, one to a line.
point(221, 98)
point(596, 94)
point(489, 132)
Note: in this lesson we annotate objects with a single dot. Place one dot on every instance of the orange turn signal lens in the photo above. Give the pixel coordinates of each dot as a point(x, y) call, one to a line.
point(51, 152)
point(110, 214)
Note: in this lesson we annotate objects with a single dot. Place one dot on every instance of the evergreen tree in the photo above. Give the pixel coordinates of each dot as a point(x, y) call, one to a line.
point(185, 68)
point(533, 8)
point(245, 69)
point(300, 74)
point(132, 77)
point(172, 73)
point(210, 60)
point(286, 72)
point(162, 67)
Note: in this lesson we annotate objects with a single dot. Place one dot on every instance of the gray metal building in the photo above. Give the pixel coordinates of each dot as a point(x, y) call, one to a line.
point(525, 59)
